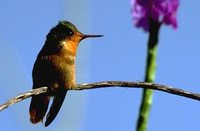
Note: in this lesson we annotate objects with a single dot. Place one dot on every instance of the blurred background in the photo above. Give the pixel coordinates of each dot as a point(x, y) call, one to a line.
point(119, 55)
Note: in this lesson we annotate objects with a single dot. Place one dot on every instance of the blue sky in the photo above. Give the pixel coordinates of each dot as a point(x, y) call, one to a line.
point(120, 55)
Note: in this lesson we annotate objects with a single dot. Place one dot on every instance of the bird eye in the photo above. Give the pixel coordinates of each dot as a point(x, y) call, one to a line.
point(70, 32)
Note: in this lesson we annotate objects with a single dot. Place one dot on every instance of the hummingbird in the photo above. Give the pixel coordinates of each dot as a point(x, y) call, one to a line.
point(54, 68)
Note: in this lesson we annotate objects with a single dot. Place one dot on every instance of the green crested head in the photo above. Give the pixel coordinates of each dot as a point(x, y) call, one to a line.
point(63, 30)
point(67, 24)
point(66, 30)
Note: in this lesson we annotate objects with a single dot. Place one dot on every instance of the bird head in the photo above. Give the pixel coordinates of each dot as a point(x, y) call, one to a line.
point(65, 33)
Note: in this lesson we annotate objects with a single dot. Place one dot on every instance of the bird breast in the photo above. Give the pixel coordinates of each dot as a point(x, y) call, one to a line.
point(64, 63)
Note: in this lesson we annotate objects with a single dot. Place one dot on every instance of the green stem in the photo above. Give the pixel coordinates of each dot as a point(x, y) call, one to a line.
point(149, 76)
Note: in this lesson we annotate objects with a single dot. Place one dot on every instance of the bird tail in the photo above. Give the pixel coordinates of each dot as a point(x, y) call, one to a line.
point(38, 107)
point(55, 107)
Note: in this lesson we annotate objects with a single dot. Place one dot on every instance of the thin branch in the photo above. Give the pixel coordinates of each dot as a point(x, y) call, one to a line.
point(23, 96)
point(104, 84)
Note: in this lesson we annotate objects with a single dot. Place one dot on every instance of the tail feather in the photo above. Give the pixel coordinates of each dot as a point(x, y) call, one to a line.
point(38, 108)
point(55, 107)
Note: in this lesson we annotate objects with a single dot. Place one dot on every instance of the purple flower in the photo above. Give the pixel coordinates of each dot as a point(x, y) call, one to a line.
point(163, 11)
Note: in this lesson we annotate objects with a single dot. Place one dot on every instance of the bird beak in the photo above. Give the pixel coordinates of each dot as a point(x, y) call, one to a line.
point(90, 36)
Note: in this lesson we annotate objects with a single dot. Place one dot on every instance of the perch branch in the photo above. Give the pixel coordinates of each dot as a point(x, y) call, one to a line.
point(104, 84)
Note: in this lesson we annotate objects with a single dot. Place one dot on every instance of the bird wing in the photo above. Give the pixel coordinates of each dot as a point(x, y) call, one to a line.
point(39, 104)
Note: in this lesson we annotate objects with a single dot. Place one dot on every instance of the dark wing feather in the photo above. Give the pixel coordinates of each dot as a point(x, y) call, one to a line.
point(39, 104)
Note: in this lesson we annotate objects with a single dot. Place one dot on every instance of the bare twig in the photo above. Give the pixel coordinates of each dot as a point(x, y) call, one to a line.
point(23, 96)
point(104, 84)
